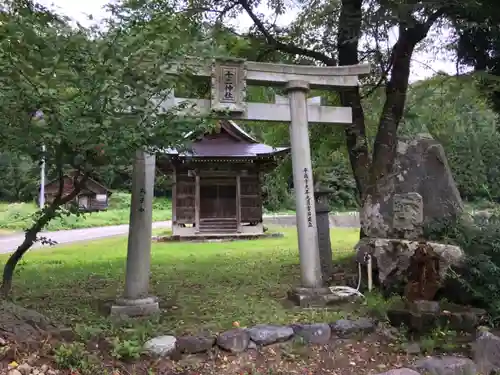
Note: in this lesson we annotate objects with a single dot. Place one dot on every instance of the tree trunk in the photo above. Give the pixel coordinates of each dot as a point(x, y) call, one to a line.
point(385, 146)
point(30, 238)
point(349, 32)
point(384, 150)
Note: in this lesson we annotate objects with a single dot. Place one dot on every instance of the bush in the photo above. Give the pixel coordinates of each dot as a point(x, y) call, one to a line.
point(275, 189)
point(468, 166)
point(478, 279)
point(339, 178)
point(119, 200)
point(491, 157)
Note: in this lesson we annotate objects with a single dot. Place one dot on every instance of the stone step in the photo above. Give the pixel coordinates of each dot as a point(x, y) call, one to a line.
point(218, 222)
point(217, 219)
point(217, 230)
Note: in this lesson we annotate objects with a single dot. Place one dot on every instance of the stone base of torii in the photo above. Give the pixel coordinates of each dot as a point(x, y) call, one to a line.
point(229, 79)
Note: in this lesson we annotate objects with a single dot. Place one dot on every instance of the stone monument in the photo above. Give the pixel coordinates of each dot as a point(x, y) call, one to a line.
point(394, 258)
point(323, 223)
point(420, 167)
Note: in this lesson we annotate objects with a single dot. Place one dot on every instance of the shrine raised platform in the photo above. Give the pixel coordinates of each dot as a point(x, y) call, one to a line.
point(216, 237)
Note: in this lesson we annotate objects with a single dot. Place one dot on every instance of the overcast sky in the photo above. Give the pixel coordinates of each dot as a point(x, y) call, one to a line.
point(423, 65)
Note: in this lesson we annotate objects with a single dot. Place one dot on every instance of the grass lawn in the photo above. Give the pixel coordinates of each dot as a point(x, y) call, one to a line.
point(17, 216)
point(201, 286)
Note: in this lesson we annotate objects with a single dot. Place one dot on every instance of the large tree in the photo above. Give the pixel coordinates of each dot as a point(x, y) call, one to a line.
point(477, 28)
point(90, 97)
point(347, 32)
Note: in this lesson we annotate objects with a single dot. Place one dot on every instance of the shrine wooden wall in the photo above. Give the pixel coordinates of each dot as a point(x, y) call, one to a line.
point(251, 198)
point(185, 195)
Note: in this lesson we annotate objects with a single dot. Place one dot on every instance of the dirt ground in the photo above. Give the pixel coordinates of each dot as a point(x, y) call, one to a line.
point(371, 354)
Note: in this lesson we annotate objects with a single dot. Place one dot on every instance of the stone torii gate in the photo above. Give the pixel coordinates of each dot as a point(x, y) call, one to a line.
point(229, 79)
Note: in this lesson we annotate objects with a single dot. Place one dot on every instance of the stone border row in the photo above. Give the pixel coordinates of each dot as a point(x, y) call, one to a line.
point(238, 340)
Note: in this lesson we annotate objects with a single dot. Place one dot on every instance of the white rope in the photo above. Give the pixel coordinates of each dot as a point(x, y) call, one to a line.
point(347, 291)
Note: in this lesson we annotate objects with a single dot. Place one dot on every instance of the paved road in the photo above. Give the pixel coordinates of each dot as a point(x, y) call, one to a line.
point(9, 243)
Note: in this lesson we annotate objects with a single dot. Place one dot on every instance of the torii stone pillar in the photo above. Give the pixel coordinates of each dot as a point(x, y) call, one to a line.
point(136, 300)
point(310, 267)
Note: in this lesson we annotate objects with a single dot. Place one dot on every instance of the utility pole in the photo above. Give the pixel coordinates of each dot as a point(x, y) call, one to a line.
point(42, 180)
point(41, 198)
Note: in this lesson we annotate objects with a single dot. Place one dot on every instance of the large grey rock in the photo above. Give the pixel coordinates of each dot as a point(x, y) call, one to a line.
point(319, 333)
point(400, 371)
point(161, 346)
point(266, 334)
point(234, 341)
point(25, 369)
point(24, 324)
point(420, 167)
point(194, 344)
point(412, 348)
point(447, 365)
point(487, 353)
point(347, 327)
point(392, 257)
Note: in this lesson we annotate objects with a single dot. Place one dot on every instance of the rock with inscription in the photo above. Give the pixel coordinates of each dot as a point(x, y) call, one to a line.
point(420, 167)
point(447, 365)
point(408, 216)
point(234, 341)
point(266, 334)
point(314, 333)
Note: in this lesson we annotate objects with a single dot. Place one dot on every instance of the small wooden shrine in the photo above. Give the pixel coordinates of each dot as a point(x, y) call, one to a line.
point(217, 184)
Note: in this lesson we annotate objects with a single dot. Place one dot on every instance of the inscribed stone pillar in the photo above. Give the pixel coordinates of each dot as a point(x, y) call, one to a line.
point(324, 243)
point(136, 300)
point(303, 185)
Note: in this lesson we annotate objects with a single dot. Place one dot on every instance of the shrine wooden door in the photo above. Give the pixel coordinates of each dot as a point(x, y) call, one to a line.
point(218, 198)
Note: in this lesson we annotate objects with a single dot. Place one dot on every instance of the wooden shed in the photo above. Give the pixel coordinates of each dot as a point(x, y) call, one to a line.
point(217, 184)
point(95, 196)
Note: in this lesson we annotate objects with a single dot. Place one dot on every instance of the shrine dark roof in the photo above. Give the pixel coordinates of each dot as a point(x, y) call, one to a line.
point(230, 141)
